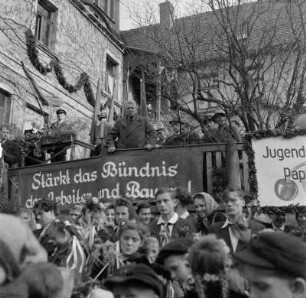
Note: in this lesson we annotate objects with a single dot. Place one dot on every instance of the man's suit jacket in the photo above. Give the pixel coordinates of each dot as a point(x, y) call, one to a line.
point(182, 228)
point(132, 134)
point(12, 152)
point(223, 233)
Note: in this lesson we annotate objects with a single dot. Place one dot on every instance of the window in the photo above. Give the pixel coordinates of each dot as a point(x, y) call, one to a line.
point(108, 6)
point(45, 22)
point(111, 72)
point(5, 107)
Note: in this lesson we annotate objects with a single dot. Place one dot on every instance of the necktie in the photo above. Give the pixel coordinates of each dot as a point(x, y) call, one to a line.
point(164, 233)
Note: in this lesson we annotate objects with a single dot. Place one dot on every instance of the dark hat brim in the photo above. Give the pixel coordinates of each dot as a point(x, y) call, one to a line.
point(61, 111)
point(145, 280)
point(248, 257)
point(217, 115)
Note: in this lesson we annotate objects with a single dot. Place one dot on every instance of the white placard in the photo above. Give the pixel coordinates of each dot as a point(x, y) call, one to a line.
point(281, 170)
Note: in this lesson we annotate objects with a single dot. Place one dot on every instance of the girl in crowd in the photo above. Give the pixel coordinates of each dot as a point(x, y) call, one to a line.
point(208, 212)
point(110, 215)
point(211, 268)
point(29, 217)
point(131, 237)
point(109, 255)
point(143, 210)
point(68, 252)
point(151, 248)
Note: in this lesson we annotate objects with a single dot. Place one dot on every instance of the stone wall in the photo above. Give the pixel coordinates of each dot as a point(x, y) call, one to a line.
point(79, 45)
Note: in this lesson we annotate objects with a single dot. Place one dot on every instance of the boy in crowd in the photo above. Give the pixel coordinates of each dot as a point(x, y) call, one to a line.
point(174, 257)
point(169, 225)
point(124, 211)
point(236, 231)
point(275, 265)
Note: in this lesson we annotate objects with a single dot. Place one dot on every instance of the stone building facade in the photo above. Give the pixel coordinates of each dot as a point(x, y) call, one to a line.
point(66, 46)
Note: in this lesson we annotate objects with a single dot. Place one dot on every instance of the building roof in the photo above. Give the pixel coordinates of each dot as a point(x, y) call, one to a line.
point(200, 37)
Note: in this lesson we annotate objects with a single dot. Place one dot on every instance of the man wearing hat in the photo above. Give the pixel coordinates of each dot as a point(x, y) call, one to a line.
point(224, 132)
point(275, 265)
point(135, 280)
point(59, 127)
point(183, 134)
point(174, 257)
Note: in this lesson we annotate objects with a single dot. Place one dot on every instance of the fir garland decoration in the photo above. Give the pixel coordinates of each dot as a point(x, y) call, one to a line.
point(253, 173)
point(83, 80)
point(33, 54)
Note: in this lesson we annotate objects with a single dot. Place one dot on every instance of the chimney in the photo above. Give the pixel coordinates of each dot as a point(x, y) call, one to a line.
point(166, 14)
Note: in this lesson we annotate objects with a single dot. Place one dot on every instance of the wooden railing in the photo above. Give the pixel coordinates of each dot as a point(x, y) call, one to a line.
point(214, 160)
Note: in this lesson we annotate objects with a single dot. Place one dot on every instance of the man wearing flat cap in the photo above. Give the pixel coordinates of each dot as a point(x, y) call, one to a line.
point(183, 134)
point(275, 265)
point(59, 127)
point(135, 280)
point(224, 132)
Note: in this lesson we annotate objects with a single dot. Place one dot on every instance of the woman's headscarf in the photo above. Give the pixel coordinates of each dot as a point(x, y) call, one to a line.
point(211, 204)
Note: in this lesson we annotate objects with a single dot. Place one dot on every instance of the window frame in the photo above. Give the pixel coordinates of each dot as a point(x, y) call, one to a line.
point(50, 21)
point(7, 106)
point(108, 7)
point(113, 74)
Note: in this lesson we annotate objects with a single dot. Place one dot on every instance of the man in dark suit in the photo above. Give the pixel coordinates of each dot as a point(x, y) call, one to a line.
point(11, 151)
point(132, 131)
point(169, 225)
point(236, 231)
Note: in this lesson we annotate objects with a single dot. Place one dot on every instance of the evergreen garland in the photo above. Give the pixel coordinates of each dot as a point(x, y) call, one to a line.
point(252, 168)
point(83, 80)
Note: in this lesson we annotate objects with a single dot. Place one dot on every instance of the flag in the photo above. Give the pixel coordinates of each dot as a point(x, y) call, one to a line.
point(125, 94)
point(143, 100)
point(95, 114)
point(37, 93)
point(110, 119)
point(34, 86)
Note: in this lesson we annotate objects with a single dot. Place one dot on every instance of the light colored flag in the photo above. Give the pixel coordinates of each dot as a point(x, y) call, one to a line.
point(95, 114)
point(143, 100)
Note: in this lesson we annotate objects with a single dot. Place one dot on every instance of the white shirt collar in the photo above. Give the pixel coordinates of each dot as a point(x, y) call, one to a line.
point(184, 214)
point(226, 223)
point(282, 228)
point(172, 220)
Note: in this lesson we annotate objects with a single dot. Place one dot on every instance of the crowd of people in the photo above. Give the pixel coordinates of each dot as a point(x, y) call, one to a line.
point(179, 245)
